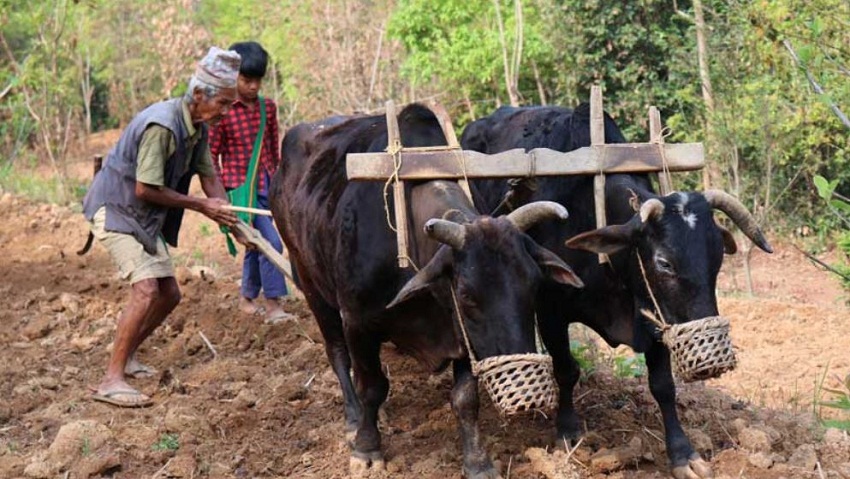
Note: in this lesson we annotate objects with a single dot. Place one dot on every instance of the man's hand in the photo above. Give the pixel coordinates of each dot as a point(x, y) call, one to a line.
point(212, 209)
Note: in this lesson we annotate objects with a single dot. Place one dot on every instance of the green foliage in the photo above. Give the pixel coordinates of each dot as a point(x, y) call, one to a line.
point(26, 182)
point(772, 133)
point(206, 231)
point(167, 442)
point(641, 53)
point(629, 366)
point(840, 208)
point(456, 48)
point(772, 127)
point(584, 355)
point(839, 400)
point(85, 448)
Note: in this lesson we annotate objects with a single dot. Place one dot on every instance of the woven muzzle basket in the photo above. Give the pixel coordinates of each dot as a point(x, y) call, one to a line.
point(519, 382)
point(700, 349)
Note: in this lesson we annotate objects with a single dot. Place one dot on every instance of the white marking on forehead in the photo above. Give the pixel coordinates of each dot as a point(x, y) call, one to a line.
point(687, 216)
point(691, 219)
point(441, 185)
point(683, 199)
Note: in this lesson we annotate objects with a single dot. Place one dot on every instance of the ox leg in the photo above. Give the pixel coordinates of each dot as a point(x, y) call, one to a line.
point(554, 332)
point(476, 462)
point(330, 323)
point(687, 464)
point(372, 389)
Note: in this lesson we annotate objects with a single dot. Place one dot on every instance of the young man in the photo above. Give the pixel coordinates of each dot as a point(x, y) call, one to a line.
point(245, 156)
point(135, 206)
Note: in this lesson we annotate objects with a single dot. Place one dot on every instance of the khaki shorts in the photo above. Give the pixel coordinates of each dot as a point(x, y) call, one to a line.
point(134, 263)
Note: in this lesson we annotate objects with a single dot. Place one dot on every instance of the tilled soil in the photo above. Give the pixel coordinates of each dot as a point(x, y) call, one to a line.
point(260, 400)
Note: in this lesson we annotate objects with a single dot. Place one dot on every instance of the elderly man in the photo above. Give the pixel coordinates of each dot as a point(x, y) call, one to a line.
point(136, 203)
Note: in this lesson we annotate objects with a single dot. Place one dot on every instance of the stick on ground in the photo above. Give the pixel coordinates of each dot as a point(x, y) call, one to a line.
point(209, 344)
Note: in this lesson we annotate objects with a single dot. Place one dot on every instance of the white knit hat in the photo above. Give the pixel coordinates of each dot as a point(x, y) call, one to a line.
point(220, 68)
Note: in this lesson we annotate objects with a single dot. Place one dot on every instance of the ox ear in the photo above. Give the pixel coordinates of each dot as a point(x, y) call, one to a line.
point(729, 244)
point(425, 277)
point(553, 266)
point(607, 240)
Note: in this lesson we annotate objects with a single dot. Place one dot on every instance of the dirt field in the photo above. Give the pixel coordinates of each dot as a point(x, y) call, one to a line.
point(265, 404)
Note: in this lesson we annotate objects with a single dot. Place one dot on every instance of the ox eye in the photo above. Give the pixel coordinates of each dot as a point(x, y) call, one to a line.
point(664, 266)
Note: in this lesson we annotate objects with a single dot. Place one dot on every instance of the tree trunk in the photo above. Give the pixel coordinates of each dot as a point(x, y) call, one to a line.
point(86, 88)
point(540, 90)
point(710, 173)
point(469, 106)
point(375, 65)
point(509, 84)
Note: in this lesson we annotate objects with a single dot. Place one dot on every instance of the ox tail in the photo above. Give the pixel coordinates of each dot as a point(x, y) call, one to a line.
point(89, 241)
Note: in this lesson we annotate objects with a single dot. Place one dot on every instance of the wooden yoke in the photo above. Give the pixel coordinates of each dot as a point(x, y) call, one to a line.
point(451, 138)
point(452, 163)
point(394, 148)
point(656, 137)
point(597, 142)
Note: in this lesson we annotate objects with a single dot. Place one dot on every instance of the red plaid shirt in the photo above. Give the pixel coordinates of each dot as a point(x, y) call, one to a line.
point(233, 139)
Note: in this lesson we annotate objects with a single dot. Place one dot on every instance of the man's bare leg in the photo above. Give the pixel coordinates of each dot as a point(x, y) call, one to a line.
point(167, 299)
point(144, 296)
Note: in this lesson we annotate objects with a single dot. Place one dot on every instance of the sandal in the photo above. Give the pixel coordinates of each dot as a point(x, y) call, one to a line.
point(123, 398)
point(279, 316)
point(141, 371)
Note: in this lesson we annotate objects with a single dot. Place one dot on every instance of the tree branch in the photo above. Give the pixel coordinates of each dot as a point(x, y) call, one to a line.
point(682, 13)
point(517, 54)
point(511, 93)
point(840, 114)
point(6, 90)
point(376, 63)
point(822, 264)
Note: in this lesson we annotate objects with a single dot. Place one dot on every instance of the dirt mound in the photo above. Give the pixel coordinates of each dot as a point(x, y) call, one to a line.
point(265, 403)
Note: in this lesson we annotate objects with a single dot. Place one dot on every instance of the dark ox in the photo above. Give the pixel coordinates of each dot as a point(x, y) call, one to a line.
point(346, 258)
point(680, 245)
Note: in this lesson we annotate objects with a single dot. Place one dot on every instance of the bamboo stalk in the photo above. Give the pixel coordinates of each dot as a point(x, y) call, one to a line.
point(244, 209)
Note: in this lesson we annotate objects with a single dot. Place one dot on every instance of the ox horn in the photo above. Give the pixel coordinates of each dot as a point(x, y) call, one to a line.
point(740, 216)
point(446, 232)
point(528, 215)
point(651, 209)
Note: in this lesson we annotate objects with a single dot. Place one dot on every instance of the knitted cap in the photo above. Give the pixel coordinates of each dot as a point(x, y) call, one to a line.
point(219, 68)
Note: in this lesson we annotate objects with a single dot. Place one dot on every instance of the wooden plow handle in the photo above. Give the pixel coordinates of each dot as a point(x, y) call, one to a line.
point(256, 239)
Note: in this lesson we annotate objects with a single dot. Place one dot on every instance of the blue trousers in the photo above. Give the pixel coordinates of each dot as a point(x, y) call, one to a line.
point(258, 273)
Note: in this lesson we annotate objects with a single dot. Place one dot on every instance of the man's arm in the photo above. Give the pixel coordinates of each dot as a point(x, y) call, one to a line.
point(156, 145)
point(210, 207)
point(213, 187)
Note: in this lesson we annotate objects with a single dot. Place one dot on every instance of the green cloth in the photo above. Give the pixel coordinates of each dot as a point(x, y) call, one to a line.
point(157, 145)
point(246, 194)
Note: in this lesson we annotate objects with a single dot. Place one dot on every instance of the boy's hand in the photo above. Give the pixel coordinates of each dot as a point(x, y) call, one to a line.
point(241, 239)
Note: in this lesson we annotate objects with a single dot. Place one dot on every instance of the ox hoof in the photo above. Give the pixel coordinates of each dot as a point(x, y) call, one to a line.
point(696, 468)
point(361, 462)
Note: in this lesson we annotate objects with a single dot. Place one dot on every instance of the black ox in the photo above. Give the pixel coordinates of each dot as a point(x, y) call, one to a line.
point(680, 245)
point(346, 257)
